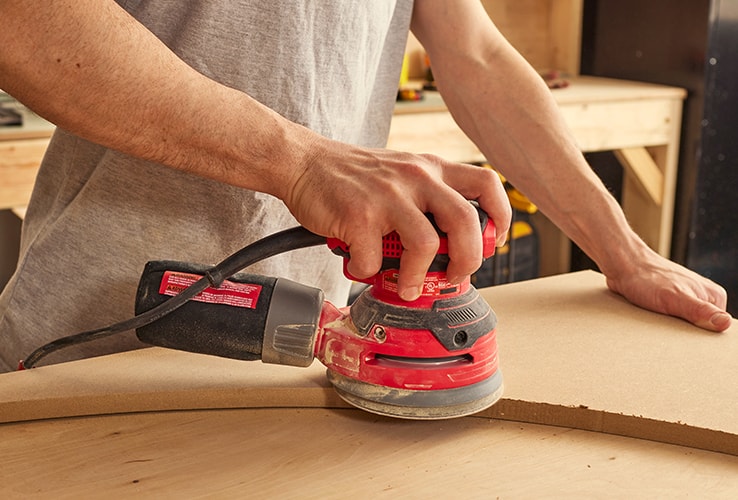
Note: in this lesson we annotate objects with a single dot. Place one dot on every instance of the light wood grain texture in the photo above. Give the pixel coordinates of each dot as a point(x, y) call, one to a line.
point(546, 32)
point(319, 453)
point(644, 170)
point(572, 354)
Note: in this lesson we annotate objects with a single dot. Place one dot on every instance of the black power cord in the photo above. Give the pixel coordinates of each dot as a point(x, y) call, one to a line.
point(283, 241)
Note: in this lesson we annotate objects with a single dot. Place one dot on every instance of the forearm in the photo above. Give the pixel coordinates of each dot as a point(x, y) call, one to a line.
point(502, 104)
point(509, 112)
point(524, 136)
point(90, 68)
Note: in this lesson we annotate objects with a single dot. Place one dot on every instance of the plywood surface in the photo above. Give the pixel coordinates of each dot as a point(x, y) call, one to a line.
point(572, 353)
point(323, 453)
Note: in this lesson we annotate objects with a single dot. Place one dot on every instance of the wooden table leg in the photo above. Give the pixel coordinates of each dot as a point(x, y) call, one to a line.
point(648, 193)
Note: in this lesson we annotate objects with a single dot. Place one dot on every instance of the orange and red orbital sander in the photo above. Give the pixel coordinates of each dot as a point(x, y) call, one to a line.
point(432, 358)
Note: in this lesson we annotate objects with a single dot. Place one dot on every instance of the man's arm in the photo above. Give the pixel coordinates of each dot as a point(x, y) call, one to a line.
point(90, 68)
point(499, 100)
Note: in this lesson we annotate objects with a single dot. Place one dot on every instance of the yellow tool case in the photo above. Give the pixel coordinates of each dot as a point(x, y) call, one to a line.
point(518, 259)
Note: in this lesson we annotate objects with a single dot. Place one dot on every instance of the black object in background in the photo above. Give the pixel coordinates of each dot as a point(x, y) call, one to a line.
point(610, 171)
point(10, 117)
point(10, 229)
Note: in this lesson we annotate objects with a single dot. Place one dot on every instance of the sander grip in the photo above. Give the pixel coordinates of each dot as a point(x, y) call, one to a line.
point(248, 317)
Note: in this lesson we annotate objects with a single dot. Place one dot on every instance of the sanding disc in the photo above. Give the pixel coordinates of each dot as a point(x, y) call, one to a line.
point(416, 404)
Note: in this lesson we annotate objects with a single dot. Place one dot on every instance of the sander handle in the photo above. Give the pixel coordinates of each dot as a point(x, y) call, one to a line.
point(392, 247)
point(249, 317)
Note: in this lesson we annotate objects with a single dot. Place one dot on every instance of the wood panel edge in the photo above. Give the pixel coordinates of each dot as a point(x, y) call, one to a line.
point(632, 426)
point(570, 417)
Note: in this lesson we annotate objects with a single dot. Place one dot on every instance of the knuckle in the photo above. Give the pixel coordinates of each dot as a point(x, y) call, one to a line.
point(722, 296)
point(362, 268)
point(469, 213)
point(490, 176)
point(426, 243)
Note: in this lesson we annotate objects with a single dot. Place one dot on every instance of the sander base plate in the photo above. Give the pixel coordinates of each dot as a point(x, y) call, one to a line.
point(418, 404)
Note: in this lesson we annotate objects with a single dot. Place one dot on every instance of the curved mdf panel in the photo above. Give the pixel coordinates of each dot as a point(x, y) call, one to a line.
point(572, 353)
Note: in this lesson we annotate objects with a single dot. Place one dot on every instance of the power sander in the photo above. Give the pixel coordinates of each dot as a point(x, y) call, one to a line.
point(432, 358)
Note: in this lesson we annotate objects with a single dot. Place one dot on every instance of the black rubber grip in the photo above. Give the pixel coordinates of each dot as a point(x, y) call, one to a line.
point(212, 328)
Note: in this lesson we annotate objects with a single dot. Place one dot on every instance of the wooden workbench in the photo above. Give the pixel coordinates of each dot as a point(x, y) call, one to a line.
point(602, 399)
point(640, 122)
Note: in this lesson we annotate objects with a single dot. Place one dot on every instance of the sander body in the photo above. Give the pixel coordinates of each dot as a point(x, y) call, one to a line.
point(432, 358)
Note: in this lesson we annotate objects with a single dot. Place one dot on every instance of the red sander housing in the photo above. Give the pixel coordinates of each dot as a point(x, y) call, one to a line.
point(433, 358)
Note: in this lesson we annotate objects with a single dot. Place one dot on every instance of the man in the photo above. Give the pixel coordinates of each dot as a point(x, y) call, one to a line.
point(188, 129)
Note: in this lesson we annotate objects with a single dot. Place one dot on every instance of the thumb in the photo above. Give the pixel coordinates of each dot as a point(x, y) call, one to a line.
point(705, 315)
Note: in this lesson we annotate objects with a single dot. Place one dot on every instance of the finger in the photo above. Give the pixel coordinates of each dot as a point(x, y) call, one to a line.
point(717, 295)
point(420, 244)
point(484, 186)
point(465, 242)
point(704, 307)
point(701, 313)
point(366, 254)
point(460, 221)
point(709, 317)
point(497, 205)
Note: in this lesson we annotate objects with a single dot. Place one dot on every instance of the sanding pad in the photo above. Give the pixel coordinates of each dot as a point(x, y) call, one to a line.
point(418, 404)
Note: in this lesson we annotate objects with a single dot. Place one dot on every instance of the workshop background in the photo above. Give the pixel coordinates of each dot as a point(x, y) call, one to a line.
point(691, 44)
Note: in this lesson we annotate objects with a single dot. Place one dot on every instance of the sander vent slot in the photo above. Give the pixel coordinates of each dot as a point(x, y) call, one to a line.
point(460, 316)
point(422, 363)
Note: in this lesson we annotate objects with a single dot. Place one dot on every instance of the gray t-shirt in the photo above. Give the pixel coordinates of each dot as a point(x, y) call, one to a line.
point(97, 216)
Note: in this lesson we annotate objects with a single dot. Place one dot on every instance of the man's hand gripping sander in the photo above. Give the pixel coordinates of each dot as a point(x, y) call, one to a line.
point(433, 358)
